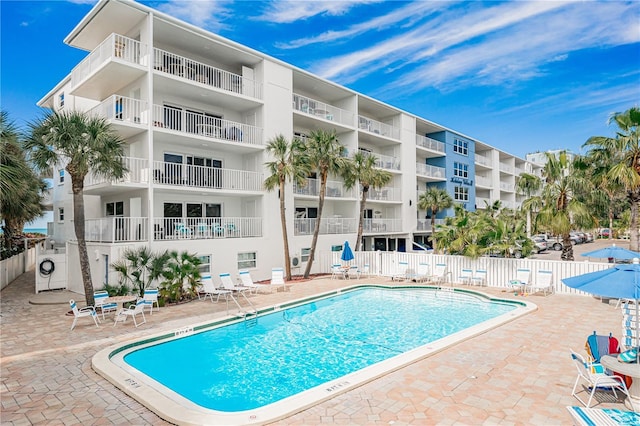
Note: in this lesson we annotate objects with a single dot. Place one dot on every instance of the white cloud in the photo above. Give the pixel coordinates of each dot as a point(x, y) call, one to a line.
point(287, 11)
point(208, 14)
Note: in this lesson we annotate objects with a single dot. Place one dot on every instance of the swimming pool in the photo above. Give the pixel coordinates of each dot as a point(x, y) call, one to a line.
point(264, 368)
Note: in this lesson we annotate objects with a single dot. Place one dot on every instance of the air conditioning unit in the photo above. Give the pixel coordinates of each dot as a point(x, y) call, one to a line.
point(295, 261)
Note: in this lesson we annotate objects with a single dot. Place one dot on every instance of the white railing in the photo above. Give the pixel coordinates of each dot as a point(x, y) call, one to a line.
point(505, 168)
point(199, 124)
point(425, 224)
point(484, 181)
point(385, 194)
point(172, 228)
point(182, 67)
point(114, 47)
point(507, 187)
point(179, 174)
point(480, 202)
point(378, 128)
point(481, 159)
point(428, 143)
point(322, 110)
point(387, 162)
point(381, 225)
point(331, 225)
point(429, 170)
point(335, 189)
point(137, 172)
point(116, 229)
point(122, 109)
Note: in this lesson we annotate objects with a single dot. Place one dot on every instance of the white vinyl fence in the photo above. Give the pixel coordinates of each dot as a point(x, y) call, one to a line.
point(13, 267)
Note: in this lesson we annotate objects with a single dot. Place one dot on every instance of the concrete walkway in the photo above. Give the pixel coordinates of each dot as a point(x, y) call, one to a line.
point(518, 374)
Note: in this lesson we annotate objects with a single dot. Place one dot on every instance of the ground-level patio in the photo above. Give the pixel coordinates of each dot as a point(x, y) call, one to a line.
point(518, 374)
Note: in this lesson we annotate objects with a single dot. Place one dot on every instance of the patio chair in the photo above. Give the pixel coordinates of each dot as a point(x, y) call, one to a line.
point(210, 290)
point(366, 270)
point(439, 273)
point(86, 312)
point(228, 284)
point(182, 230)
point(131, 311)
point(523, 277)
point(99, 298)
point(337, 271)
point(150, 297)
point(465, 276)
point(354, 271)
point(543, 283)
point(479, 277)
point(595, 378)
point(401, 272)
point(277, 278)
point(422, 274)
point(245, 279)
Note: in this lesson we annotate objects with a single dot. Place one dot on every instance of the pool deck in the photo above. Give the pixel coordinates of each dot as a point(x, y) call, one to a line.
point(518, 374)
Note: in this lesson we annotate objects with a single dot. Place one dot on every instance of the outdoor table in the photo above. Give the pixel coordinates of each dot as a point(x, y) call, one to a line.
point(120, 300)
point(628, 369)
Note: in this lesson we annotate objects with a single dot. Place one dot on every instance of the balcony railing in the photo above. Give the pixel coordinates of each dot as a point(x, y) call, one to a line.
point(203, 125)
point(387, 162)
point(186, 68)
point(322, 110)
point(137, 172)
point(429, 170)
point(428, 143)
point(484, 181)
point(382, 225)
point(425, 224)
point(385, 194)
point(123, 109)
point(331, 225)
point(175, 228)
point(507, 187)
point(335, 189)
point(114, 47)
point(506, 168)
point(178, 174)
point(116, 229)
point(481, 159)
point(378, 128)
point(482, 203)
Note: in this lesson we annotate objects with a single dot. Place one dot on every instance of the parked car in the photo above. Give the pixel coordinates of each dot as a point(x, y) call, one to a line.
point(539, 244)
point(605, 232)
point(589, 236)
point(575, 238)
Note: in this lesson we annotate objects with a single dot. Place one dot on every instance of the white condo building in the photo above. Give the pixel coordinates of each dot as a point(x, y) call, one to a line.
point(196, 111)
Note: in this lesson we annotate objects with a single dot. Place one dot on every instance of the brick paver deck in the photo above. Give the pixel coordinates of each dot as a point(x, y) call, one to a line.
point(518, 374)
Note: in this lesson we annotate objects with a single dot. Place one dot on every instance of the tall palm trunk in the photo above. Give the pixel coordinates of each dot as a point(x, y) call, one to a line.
point(567, 248)
point(316, 228)
point(433, 228)
point(634, 198)
point(77, 184)
point(285, 236)
point(363, 202)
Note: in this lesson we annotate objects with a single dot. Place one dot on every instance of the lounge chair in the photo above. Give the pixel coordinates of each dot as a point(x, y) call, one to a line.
point(543, 283)
point(210, 290)
point(337, 271)
point(422, 274)
point(520, 283)
point(277, 278)
point(439, 273)
point(228, 284)
point(595, 378)
point(99, 298)
point(465, 276)
point(131, 311)
point(150, 297)
point(247, 281)
point(86, 312)
point(354, 271)
point(401, 272)
point(603, 416)
point(366, 270)
point(479, 277)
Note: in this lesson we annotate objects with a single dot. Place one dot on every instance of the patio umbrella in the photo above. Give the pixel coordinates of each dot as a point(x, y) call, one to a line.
point(347, 254)
point(613, 252)
point(620, 282)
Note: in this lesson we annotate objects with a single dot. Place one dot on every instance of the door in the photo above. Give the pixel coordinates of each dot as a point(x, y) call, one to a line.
point(172, 215)
point(172, 169)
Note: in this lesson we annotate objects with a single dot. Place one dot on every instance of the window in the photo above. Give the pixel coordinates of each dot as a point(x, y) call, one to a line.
point(61, 176)
point(61, 100)
point(304, 254)
point(460, 193)
point(461, 147)
point(205, 264)
point(247, 260)
point(460, 170)
point(115, 208)
point(61, 214)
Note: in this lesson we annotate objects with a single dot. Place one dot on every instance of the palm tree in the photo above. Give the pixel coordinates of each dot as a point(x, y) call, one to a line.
point(83, 144)
point(140, 267)
point(625, 169)
point(362, 168)
point(528, 185)
point(434, 199)
point(562, 211)
point(289, 164)
point(21, 188)
point(324, 153)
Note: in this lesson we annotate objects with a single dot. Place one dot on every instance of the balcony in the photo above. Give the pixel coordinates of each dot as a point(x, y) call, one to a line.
point(191, 123)
point(114, 64)
point(505, 168)
point(116, 229)
point(373, 226)
point(384, 194)
point(203, 177)
point(321, 110)
point(507, 187)
point(175, 228)
point(335, 189)
point(425, 224)
point(483, 161)
point(386, 162)
point(483, 181)
point(187, 69)
point(128, 116)
point(430, 144)
point(136, 176)
point(331, 225)
point(378, 128)
point(430, 172)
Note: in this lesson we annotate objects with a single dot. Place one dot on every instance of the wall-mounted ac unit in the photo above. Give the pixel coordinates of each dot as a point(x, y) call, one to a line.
point(295, 261)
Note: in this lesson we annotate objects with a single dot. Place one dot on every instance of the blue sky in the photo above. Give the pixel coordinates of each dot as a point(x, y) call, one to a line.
point(521, 76)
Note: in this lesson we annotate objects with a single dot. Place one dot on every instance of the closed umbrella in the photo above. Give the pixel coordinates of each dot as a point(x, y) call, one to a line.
point(347, 254)
point(620, 282)
point(613, 252)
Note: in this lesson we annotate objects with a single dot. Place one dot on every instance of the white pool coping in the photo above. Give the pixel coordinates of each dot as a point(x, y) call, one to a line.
point(109, 363)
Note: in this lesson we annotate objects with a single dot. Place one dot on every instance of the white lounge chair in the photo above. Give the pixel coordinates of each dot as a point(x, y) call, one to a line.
point(337, 271)
point(210, 290)
point(439, 273)
point(422, 274)
point(366, 270)
point(131, 311)
point(86, 312)
point(99, 298)
point(523, 277)
point(354, 272)
point(465, 276)
point(228, 284)
point(543, 283)
point(595, 379)
point(479, 277)
point(277, 278)
point(150, 298)
point(401, 272)
point(247, 281)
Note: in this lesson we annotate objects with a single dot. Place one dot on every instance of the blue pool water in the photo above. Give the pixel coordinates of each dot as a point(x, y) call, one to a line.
point(253, 363)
